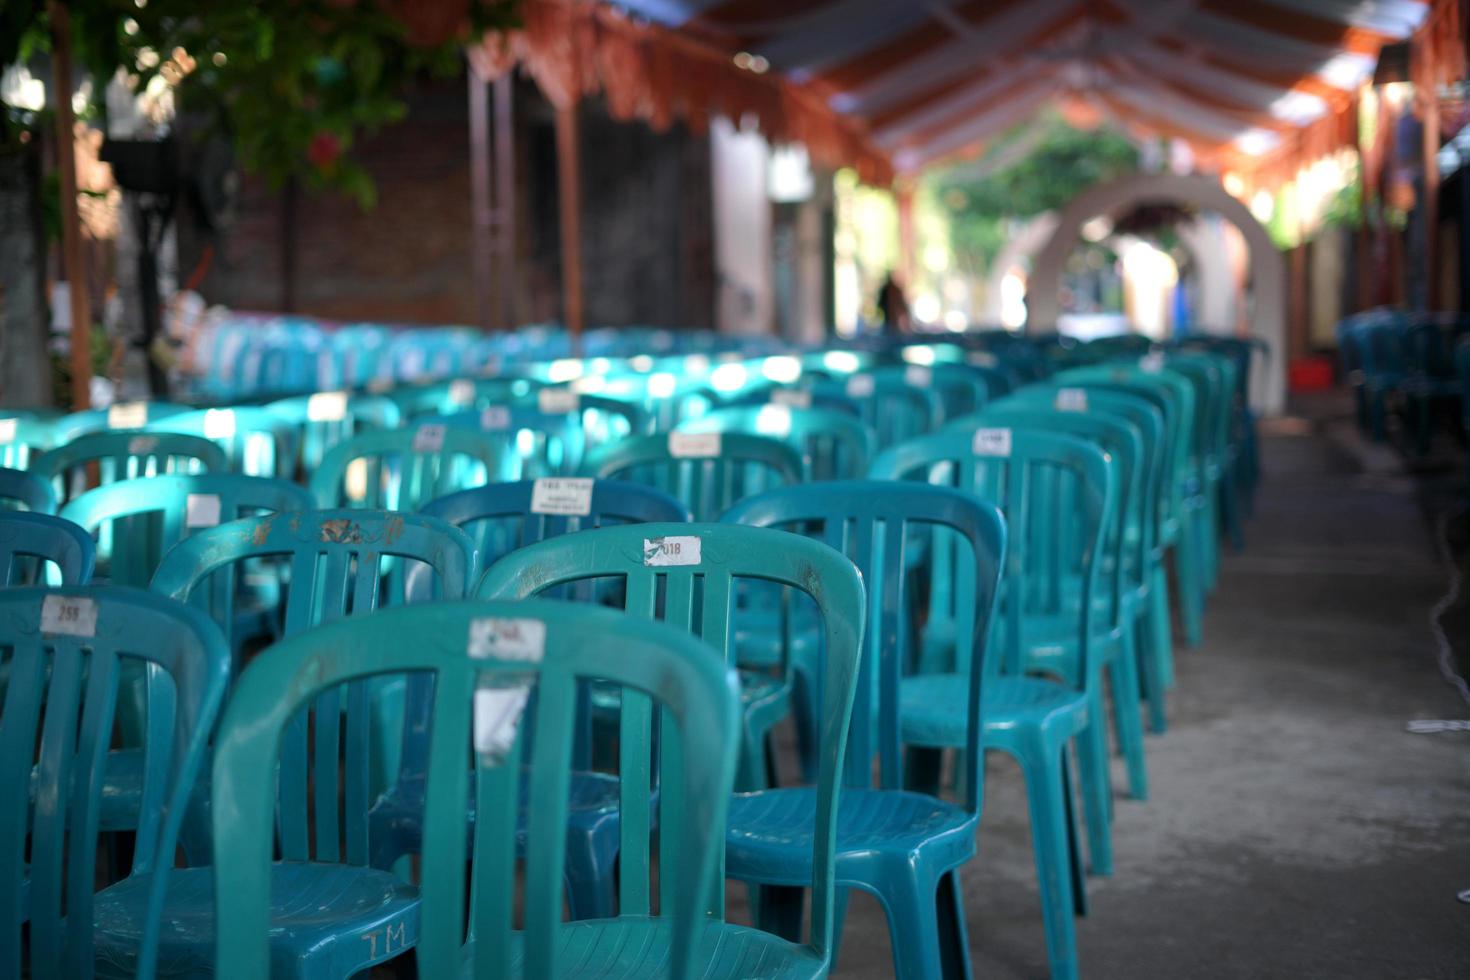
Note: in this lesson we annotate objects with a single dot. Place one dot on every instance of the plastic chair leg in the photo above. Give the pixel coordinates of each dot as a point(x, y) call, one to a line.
point(805, 710)
point(911, 898)
point(1151, 680)
point(1230, 507)
point(750, 774)
point(1160, 648)
point(779, 911)
point(1209, 536)
point(1191, 589)
point(1128, 713)
point(1097, 789)
point(1046, 790)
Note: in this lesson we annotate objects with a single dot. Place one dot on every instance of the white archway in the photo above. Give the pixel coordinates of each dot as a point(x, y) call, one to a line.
point(1267, 267)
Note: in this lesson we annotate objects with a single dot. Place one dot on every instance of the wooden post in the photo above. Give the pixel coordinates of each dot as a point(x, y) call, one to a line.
point(482, 207)
point(568, 168)
point(505, 191)
point(1430, 204)
point(73, 256)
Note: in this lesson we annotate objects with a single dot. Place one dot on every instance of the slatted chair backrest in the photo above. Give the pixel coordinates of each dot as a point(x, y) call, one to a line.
point(125, 455)
point(65, 650)
point(336, 565)
point(24, 490)
point(326, 418)
point(41, 549)
point(877, 524)
point(833, 444)
point(257, 441)
point(707, 472)
point(895, 409)
point(686, 575)
point(459, 395)
point(138, 521)
point(483, 657)
point(404, 469)
point(961, 388)
point(1020, 470)
point(531, 443)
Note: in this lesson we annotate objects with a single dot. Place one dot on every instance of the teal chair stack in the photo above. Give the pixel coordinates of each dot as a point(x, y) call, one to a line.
point(1040, 480)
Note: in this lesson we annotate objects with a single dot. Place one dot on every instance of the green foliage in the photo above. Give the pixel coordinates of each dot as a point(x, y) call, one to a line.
point(294, 83)
point(1050, 168)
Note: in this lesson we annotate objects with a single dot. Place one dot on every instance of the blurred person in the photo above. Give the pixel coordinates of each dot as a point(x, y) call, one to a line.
point(894, 306)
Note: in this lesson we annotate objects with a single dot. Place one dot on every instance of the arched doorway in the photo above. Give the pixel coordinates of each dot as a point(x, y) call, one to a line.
point(1267, 279)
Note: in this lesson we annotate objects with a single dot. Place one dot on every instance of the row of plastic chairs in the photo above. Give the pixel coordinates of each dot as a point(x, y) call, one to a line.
point(701, 459)
point(1400, 363)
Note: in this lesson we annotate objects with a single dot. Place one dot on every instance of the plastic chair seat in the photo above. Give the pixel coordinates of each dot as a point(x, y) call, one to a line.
point(932, 707)
point(628, 946)
point(312, 906)
point(769, 835)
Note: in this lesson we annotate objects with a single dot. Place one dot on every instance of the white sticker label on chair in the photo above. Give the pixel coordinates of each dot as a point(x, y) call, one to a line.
point(504, 638)
point(219, 423)
point(860, 385)
point(69, 615)
point(142, 445)
point(498, 713)
point(694, 445)
point(201, 510)
point(918, 375)
point(1071, 400)
point(1152, 362)
point(327, 406)
point(570, 496)
point(982, 358)
point(676, 549)
point(7, 430)
point(558, 401)
point(428, 439)
point(992, 442)
point(792, 397)
point(127, 415)
point(461, 392)
point(495, 418)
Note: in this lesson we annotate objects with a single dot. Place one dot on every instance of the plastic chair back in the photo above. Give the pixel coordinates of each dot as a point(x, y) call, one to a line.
point(65, 651)
point(326, 418)
point(125, 455)
point(707, 472)
point(257, 442)
point(485, 659)
point(40, 549)
point(833, 444)
point(688, 573)
point(404, 469)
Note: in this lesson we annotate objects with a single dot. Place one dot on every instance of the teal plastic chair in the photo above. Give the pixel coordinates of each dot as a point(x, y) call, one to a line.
point(335, 561)
point(405, 468)
point(1120, 605)
point(1148, 584)
point(21, 489)
point(694, 568)
point(1182, 528)
point(530, 443)
point(416, 402)
point(891, 406)
point(707, 472)
point(501, 518)
point(125, 455)
point(493, 655)
point(833, 444)
point(66, 649)
point(1031, 718)
point(40, 549)
point(326, 418)
point(257, 441)
point(904, 847)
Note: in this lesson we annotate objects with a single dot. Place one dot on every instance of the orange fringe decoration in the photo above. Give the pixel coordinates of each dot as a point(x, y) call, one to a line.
point(646, 72)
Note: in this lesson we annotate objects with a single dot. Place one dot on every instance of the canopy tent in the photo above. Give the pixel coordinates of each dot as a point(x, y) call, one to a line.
point(925, 81)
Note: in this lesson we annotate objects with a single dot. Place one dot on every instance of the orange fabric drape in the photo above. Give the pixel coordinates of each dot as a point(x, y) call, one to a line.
point(574, 49)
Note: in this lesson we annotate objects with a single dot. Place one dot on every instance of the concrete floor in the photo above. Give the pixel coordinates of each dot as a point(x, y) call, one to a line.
point(1295, 829)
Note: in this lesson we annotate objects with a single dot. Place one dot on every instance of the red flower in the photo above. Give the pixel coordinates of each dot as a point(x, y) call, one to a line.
point(324, 150)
